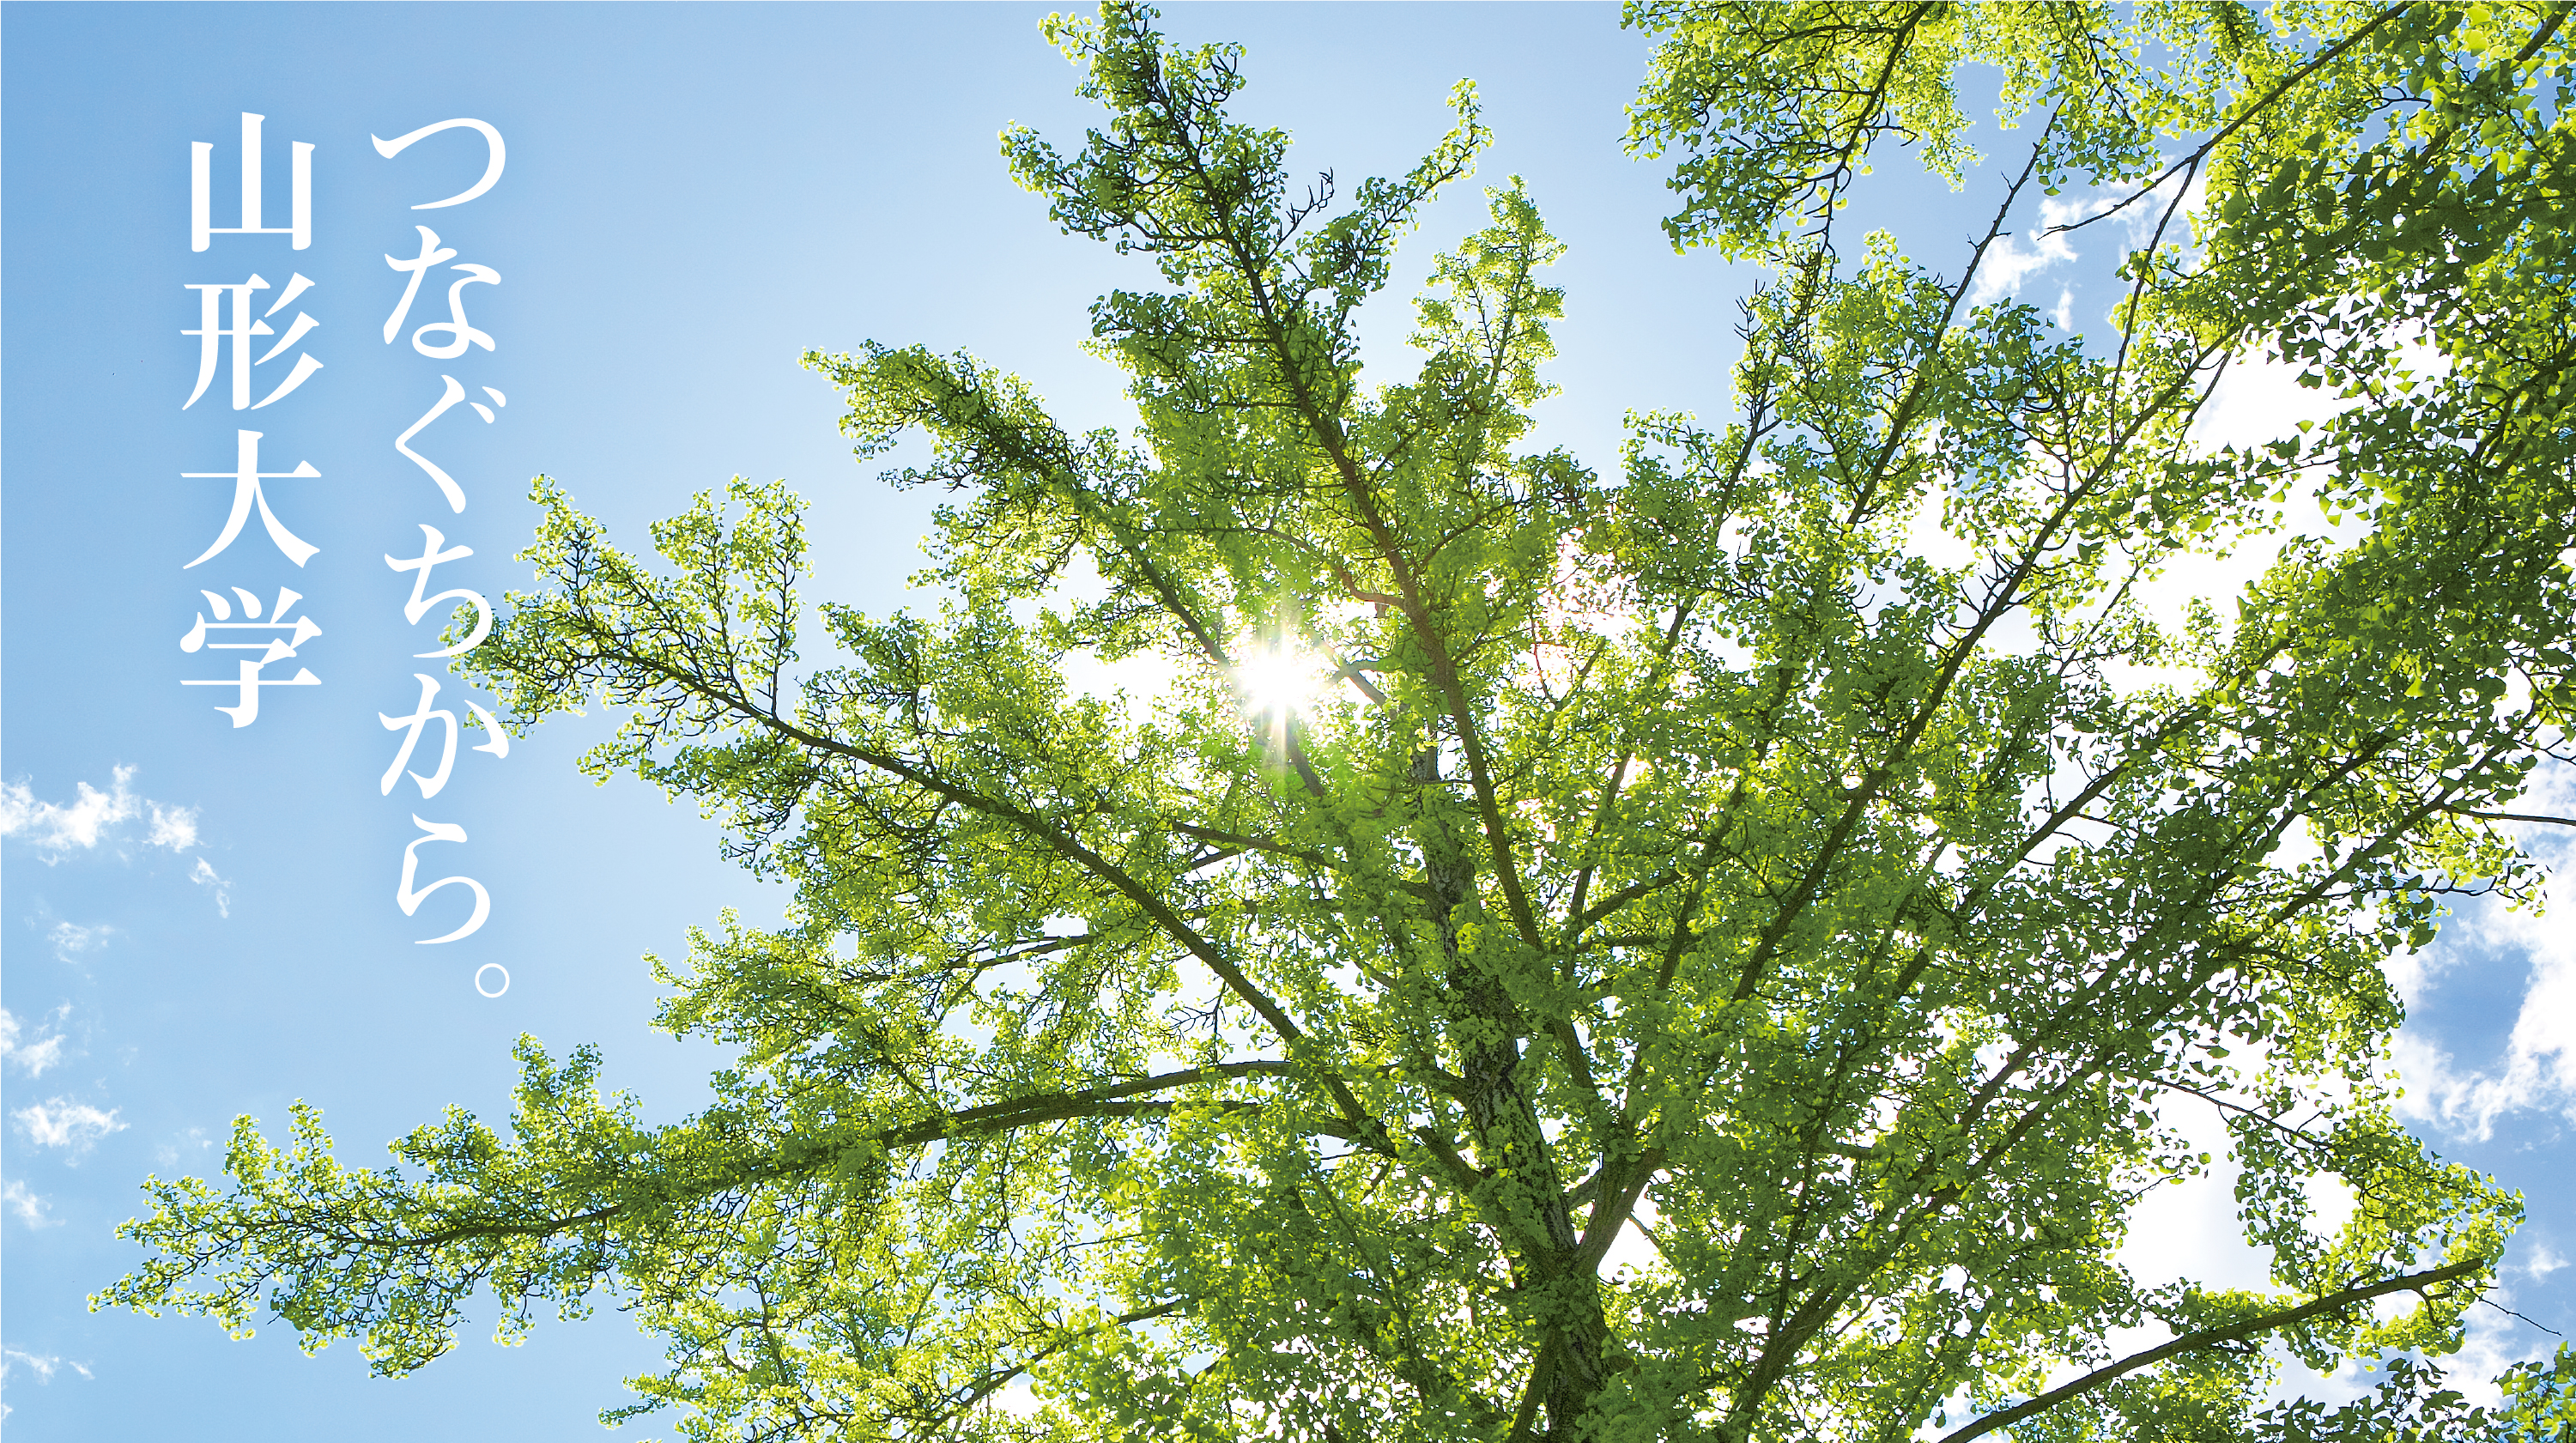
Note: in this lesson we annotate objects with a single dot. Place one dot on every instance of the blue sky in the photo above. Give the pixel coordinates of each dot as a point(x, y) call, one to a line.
point(198, 919)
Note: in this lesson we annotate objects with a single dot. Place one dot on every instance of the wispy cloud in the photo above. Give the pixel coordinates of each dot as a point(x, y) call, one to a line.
point(29, 1207)
point(205, 876)
point(93, 818)
point(168, 1154)
point(61, 1122)
point(43, 1365)
point(40, 1051)
point(72, 941)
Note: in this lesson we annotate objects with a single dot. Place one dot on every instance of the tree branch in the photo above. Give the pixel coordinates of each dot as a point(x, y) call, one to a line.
point(2211, 1337)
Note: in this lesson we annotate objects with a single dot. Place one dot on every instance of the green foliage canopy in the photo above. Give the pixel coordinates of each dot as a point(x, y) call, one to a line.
point(1679, 855)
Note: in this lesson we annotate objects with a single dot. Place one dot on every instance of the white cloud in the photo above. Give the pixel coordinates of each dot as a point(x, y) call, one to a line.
point(173, 827)
point(36, 1054)
point(2187, 1229)
point(72, 940)
point(2494, 1340)
point(92, 817)
point(58, 828)
point(43, 1365)
point(1017, 1399)
point(29, 1207)
point(2260, 400)
point(2537, 1068)
point(2193, 1230)
point(1927, 538)
point(2190, 1229)
point(2256, 401)
point(64, 1123)
point(2007, 263)
point(206, 876)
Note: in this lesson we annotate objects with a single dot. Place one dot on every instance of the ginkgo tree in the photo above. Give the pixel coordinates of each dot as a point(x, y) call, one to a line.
point(1695, 964)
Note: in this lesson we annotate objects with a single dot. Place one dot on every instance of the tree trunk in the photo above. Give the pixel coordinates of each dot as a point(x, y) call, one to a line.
point(1561, 1293)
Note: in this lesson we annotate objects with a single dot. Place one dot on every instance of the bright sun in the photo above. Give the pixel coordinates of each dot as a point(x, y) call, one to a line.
point(1276, 679)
